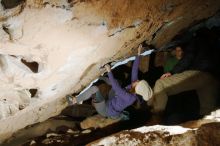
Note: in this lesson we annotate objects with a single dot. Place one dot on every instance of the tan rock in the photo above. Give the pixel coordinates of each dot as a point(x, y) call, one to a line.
point(97, 121)
point(203, 132)
point(150, 136)
point(86, 131)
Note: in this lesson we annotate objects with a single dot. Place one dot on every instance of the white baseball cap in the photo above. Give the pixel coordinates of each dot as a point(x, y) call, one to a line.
point(142, 88)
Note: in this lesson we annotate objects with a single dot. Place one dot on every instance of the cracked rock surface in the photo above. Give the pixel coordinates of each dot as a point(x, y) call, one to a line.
point(66, 42)
point(194, 133)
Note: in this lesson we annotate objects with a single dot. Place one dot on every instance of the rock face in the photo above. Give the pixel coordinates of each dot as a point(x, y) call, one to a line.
point(154, 135)
point(207, 134)
point(199, 132)
point(56, 47)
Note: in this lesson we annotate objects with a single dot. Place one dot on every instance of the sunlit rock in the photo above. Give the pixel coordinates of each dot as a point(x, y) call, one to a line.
point(152, 135)
point(207, 134)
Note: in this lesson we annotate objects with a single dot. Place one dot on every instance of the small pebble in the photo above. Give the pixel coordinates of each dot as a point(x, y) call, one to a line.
point(52, 134)
point(46, 141)
point(60, 141)
point(86, 131)
point(32, 142)
point(71, 131)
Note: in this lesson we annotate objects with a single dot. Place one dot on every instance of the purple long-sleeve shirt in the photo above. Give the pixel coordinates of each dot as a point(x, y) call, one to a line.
point(122, 98)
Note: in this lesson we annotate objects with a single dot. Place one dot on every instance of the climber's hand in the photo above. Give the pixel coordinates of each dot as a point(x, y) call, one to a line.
point(140, 49)
point(108, 68)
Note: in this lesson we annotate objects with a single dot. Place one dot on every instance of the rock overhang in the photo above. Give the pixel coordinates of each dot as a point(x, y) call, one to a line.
point(70, 40)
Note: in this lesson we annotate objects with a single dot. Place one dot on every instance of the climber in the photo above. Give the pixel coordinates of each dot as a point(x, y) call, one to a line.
point(194, 71)
point(113, 107)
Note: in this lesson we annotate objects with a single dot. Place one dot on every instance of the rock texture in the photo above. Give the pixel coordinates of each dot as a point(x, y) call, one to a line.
point(56, 47)
point(193, 133)
point(97, 121)
point(154, 135)
point(206, 135)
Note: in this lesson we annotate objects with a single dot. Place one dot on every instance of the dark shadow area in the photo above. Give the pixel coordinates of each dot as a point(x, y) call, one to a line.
point(181, 108)
point(153, 73)
point(33, 92)
point(8, 4)
point(138, 117)
point(79, 112)
point(33, 66)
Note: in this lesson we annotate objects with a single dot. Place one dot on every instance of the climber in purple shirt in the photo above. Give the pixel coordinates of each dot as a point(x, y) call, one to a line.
point(117, 101)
